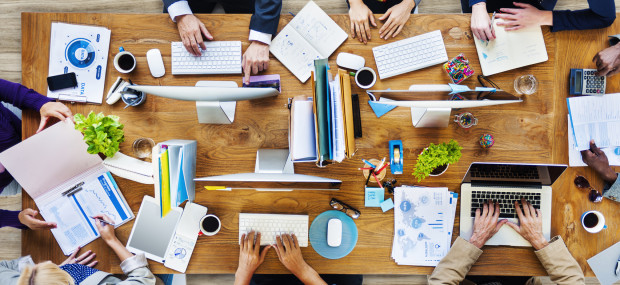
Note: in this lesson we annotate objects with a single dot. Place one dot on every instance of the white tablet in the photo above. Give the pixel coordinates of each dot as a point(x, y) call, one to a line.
point(152, 234)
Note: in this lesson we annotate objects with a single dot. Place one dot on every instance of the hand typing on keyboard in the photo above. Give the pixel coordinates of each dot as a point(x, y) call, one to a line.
point(530, 228)
point(250, 257)
point(486, 223)
point(191, 30)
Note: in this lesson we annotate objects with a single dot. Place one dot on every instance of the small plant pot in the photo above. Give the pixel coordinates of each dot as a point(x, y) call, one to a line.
point(439, 170)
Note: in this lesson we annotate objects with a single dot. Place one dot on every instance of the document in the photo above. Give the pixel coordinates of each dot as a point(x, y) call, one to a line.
point(511, 49)
point(303, 139)
point(311, 35)
point(595, 118)
point(574, 155)
point(423, 223)
point(130, 168)
point(83, 50)
point(338, 120)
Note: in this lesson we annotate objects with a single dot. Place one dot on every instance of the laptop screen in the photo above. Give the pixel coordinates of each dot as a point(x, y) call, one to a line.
point(513, 173)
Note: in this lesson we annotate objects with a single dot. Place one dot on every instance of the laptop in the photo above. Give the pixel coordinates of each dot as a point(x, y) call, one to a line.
point(506, 183)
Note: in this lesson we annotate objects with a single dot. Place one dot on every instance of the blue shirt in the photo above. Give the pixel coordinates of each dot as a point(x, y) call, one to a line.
point(601, 14)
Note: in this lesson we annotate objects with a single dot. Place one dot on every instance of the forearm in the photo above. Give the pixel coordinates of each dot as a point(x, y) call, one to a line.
point(309, 276)
point(20, 96)
point(559, 263)
point(453, 268)
point(242, 278)
point(119, 249)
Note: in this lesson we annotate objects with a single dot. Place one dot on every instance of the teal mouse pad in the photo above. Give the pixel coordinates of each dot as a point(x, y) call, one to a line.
point(318, 235)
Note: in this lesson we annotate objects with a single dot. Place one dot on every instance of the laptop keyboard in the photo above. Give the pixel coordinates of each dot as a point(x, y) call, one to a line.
point(505, 199)
point(504, 171)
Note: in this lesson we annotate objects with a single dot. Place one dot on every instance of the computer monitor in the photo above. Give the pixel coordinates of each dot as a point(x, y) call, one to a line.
point(431, 104)
point(274, 171)
point(215, 100)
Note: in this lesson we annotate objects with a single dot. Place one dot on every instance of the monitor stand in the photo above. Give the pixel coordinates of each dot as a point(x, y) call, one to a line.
point(221, 113)
point(274, 161)
point(430, 117)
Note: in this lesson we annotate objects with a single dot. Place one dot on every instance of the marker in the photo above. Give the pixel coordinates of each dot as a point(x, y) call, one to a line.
point(368, 163)
point(218, 188)
point(103, 221)
point(377, 179)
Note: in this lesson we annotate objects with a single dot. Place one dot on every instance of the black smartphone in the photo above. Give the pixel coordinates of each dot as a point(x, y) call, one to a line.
point(62, 81)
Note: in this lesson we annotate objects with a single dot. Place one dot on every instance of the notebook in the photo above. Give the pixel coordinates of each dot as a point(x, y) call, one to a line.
point(511, 49)
point(311, 35)
point(55, 161)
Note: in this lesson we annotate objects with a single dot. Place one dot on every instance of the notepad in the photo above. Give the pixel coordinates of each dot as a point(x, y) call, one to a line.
point(311, 35)
point(511, 49)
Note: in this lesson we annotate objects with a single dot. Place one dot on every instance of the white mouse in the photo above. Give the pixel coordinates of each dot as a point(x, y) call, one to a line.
point(156, 63)
point(334, 232)
point(350, 61)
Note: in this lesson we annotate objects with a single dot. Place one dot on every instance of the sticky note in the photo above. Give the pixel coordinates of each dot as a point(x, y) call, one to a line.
point(374, 197)
point(387, 205)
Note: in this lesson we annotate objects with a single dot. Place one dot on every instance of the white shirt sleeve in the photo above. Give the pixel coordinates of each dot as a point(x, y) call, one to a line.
point(179, 9)
point(260, 36)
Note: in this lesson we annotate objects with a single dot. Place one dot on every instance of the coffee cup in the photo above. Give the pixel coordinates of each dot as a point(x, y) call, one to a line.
point(365, 77)
point(593, 221)
point(124, 61)
point(210, 225)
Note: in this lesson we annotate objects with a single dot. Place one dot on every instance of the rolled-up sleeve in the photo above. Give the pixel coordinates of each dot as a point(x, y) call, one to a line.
point(559, 263)
point(612, 191)
point(453, 268)
point(137, 271)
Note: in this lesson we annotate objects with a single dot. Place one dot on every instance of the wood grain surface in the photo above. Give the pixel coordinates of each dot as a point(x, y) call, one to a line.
point(525, 132)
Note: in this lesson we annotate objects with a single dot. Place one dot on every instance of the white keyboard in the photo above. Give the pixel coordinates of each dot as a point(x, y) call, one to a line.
point(410, 54)
point(272, 225)
point(221, 57)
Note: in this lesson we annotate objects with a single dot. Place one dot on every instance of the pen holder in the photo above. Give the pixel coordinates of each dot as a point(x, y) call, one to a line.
point(380, 175)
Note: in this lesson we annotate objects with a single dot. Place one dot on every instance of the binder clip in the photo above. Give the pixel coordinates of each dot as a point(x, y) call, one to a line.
point(396, 156)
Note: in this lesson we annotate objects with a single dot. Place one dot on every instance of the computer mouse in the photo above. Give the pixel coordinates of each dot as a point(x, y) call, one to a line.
point(156, 63)
point(334, 232)
point(350, 61)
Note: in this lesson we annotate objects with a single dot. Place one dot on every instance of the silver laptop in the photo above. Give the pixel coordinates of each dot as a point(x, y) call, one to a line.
point(505, 183)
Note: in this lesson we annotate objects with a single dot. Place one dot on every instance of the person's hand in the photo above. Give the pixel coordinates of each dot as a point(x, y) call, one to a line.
point(486, 224)
point(481, 23)
point(289, 254)
point(530, 228)
point(86, 258)
point(255, 59)
point(54, 109)
point(106, 230)
point(397, 17)
point(360, 15)
point(28, 218)
point(524, 16)
point(191, 30)
point(250, 257)
point(607, 61)
point(596, 159)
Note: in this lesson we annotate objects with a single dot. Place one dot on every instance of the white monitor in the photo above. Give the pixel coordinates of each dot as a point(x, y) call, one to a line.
point(431, 104)
point(215, 100)
point(274, 171)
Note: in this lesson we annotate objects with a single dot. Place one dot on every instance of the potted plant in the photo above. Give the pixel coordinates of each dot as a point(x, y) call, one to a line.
point(434, 159)
point(103, 134)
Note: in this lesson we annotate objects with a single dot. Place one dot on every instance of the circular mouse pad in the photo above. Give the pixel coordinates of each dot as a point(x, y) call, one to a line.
point(318, 235)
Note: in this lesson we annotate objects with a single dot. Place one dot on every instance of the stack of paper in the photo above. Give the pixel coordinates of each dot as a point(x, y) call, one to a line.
point(597, 118)
point(423, 224)
point(574, 155)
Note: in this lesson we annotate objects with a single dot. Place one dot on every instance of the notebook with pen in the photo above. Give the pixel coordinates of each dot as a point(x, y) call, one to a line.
point(68, 184)
point(174, 169)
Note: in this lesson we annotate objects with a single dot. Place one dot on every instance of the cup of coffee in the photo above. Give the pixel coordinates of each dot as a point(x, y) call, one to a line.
point(210, 225)
point(124, 61)
point(365, 77)
point(593, 221)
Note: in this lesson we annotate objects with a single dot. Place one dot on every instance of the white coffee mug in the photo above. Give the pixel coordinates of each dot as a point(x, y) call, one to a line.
point(207, 233)
point(118, 56)
point(599, 226)
point(374, 78)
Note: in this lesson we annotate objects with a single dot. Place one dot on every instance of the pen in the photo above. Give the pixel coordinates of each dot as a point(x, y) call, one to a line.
point(381, 169)
point(381, 164)
point(369, 164)
point(377, 179)
point(368, 178)
point(103, 221)
point(618, 267)
point(492, 20)
point(73, 189)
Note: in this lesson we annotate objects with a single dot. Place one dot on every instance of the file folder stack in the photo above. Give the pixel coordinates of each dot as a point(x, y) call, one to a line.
point(333, 114)
point(175, 169)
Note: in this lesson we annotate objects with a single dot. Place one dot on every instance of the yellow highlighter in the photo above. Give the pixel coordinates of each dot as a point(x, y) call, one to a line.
point(218, 188)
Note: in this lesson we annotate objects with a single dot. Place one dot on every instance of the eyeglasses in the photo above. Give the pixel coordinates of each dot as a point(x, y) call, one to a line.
point(482, 79)
point(583, 183)
point(341, 206)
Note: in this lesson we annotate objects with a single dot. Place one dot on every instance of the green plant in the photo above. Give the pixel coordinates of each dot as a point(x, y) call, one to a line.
point(436, 155)
point(103, 134)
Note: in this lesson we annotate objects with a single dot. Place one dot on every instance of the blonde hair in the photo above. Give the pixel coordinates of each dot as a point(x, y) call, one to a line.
point(46, 273)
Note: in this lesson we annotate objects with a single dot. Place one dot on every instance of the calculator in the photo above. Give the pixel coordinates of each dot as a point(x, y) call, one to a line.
point(584, 82)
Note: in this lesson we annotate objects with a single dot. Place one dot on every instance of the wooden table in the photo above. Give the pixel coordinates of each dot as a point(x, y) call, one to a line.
point(533, 131)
